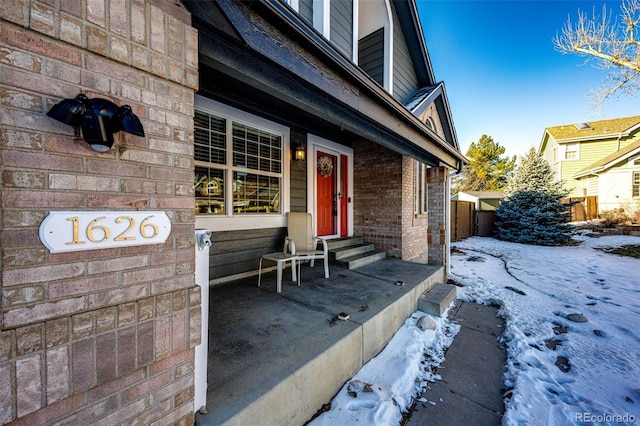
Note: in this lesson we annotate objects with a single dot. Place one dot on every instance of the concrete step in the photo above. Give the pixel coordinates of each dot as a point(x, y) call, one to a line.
point(437, 299)
point(358, 260)
point(337, 243)
point(351, 250)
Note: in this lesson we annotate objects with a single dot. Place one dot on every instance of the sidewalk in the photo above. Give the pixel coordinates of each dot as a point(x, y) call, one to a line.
point(471, 388)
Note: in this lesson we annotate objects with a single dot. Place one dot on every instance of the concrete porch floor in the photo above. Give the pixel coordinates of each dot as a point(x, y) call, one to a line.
point(275, 359)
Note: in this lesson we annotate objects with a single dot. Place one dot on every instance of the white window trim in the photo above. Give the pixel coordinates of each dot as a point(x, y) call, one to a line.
point(229, 222)
point(421, 194)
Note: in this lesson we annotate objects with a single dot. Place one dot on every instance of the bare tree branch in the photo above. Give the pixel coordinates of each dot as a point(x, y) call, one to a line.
point(613, 46)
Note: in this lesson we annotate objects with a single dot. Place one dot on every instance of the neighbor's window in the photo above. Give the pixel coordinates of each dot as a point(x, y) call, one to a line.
point(571, 151)
point(420, 192)
point(636, 184)
point(238, 168)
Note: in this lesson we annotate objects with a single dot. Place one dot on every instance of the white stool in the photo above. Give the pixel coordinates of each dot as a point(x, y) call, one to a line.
point(280, 258)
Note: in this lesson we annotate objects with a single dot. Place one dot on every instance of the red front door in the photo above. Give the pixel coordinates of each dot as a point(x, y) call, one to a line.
point(326, 209)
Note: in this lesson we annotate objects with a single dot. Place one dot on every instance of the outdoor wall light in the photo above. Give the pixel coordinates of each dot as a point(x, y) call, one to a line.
point(299, 154)
point(98, 118)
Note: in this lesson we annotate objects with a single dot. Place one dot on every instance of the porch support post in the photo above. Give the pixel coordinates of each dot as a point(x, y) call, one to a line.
point(437, 199)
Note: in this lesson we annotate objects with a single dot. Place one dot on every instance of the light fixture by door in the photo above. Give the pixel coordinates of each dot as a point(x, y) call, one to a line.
point(98, 118)
point(299, 154)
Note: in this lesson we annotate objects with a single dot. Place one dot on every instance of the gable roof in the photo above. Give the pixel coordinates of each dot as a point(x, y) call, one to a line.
point(424, 97)
point(602, 129)
point(610, 160)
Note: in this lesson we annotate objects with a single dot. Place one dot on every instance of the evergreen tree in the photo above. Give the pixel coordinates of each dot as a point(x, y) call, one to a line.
point(534, 174)
point(487, 169)
point(534, 217)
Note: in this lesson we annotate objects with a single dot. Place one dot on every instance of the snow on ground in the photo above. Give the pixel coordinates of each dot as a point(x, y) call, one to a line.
point(603, 378)
point(558, 371)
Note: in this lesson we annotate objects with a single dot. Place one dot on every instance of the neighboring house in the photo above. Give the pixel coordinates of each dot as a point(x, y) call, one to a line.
point(228, 92)
point(483, 200)
point(599, 161)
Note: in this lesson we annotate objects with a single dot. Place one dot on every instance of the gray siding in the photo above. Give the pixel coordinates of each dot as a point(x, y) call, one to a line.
point(405, 80)
point(235, 252)
point(341, 25)
point(298, 176)
point(305, 8)
point(371, 55)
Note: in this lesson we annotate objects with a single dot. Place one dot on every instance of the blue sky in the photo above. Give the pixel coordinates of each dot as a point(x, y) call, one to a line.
point(502, 74)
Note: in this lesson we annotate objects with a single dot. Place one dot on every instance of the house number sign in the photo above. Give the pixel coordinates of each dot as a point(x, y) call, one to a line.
point(91, 230)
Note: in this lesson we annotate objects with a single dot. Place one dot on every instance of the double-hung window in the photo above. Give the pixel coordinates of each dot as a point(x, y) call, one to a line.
point(239, 166)
point(635, 187)
point(421, 190)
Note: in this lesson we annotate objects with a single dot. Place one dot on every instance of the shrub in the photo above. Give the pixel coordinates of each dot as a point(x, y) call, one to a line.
point(534, 217)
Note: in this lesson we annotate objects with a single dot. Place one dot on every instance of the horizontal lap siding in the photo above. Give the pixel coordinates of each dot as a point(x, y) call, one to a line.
point(236, 252)
point(342, 25)
point(405, 80)
point(306, 10)
point(371, 55)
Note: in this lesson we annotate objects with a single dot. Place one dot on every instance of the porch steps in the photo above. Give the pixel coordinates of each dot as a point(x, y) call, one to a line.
point(354, 252)
point(437, 299)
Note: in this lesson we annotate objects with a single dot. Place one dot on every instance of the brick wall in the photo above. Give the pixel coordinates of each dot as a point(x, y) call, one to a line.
point(414, 227)
point(105, 334)
point(436, 187)
point(384, 211)
point(378, 196)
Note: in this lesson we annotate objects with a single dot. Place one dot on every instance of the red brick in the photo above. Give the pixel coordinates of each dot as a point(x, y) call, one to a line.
point(42, 18)
point(158, 30)
point(184, 281)
point(195, 327)
point(33, 160)
point(146, 309)
point(51, 412)
point(23, 295)
point(119, 264)
point(70, 29)
point(97, 40)
point(43, 311)
point(13, 11)
point(82, 326)
point(83, 362)
point(146, 387)
point(28, 384)
point(147, 274)
point(106, 360)
point(138, 22)
point(116, 386)
point(83, 286)
point(119, 49)
point(29, 339)
point(127, 314)
point(89, 414)
point(38, 44)
point(7, 346)
point(57, 363)
point(126, 350)
point(72, 7)
point(42, 273)
point(19, 99)
point(118, 13)
point(162, 337)
point(8, 392)
point(145, 343)
point(20, 139)
point(179, 332)
point(56, 332)
point(117, 296)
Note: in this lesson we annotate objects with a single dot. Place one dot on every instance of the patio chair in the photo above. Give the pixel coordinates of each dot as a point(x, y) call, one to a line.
point(301, 242)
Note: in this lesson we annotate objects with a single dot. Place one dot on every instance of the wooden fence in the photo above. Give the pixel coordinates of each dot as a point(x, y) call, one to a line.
point(467, 222)
point(585, 208)
point(462, 220)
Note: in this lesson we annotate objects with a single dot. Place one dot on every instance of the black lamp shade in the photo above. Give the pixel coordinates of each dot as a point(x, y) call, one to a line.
point(129, 121)
point(69, 111)
point(98, 118)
